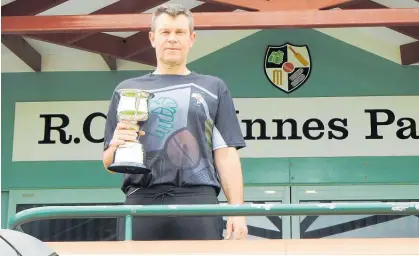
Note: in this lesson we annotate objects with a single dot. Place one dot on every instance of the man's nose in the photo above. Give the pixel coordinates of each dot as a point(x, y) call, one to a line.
point(172, 37)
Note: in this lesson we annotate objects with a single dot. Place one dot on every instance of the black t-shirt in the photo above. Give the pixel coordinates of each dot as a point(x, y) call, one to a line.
point(190, 116)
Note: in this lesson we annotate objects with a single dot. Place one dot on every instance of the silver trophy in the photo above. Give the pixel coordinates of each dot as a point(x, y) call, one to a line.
point(133, 107)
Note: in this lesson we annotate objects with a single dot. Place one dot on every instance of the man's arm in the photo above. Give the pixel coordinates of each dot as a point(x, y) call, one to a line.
point(227, 139)
point(228, 164)
point(111, 124)
point(227, 161)
point(108, 156)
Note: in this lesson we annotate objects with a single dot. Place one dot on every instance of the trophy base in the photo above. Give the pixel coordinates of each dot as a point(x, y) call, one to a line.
point(129, 168)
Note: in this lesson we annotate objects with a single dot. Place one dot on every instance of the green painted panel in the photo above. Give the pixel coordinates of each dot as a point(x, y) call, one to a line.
point(351, 170)
point(4, 208)
point(80, 174)
point(339, 69)
point(91, 174)
point(265, 171)
point(56, 86)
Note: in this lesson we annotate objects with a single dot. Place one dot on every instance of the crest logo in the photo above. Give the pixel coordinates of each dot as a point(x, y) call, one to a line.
point(287, 66)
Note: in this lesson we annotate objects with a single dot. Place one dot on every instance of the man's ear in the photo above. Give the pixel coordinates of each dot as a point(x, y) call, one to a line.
point(151, 37)
point(193, 37)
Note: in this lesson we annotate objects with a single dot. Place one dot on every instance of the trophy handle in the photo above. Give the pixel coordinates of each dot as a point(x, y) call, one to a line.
point(138, 99)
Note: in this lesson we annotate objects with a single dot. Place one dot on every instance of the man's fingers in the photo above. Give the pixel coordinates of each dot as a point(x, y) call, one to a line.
point(129, 133)
point(128, 129)
point(126, 132)
point(229, 230)
point(237, 234)
point(127, 126)
point(240, 234)
point(236, 228)
point(117, 143)
point(125, 137)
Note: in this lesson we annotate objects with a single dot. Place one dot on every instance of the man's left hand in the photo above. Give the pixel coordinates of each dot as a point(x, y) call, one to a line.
point(237, 227)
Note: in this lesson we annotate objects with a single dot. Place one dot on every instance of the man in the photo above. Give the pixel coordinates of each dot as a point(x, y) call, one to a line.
point(191, 139)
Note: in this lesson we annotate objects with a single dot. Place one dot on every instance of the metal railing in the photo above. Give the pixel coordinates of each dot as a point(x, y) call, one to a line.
point(61, 212)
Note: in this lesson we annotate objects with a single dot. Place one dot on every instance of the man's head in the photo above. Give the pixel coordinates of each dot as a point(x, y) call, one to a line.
point(172, 33)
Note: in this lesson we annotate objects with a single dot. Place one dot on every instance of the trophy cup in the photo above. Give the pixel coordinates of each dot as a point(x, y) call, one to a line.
point(133, 107)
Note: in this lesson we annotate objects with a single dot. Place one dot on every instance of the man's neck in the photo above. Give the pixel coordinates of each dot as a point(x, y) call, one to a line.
point(171, 70)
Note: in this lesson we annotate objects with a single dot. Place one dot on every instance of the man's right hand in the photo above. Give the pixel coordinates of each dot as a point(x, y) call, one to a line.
point(125, 132)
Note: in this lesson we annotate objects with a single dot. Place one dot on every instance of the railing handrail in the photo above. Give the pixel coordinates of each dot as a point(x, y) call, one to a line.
point(60, 212)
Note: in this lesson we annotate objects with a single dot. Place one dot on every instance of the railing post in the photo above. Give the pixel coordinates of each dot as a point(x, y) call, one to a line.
point(128, 227)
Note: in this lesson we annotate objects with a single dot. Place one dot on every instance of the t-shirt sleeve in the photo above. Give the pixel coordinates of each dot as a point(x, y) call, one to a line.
point(226, 132)
point(111, 120)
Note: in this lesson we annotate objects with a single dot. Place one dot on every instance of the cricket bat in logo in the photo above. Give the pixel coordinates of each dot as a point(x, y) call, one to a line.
point(299, 57)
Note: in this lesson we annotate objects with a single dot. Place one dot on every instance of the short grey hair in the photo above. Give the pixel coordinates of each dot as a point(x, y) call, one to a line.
point(173, 10)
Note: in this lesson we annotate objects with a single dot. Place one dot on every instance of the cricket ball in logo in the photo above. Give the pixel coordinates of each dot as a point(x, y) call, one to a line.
point(287, 66)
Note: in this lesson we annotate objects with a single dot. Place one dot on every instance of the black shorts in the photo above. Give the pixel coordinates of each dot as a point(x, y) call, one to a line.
point(173, 228)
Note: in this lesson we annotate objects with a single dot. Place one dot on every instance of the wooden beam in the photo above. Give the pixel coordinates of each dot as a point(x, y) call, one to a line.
point(18, 44)
point(216, 7)
point(410, 53)
point(100, 43)
point(368, 4)
point(280, 5)
point(136, 44)
point(147, 57)
point(215, 21)
point(120, 7)
point(24, 7)
point(23, 50)
point(408, 31)
point(110, 61)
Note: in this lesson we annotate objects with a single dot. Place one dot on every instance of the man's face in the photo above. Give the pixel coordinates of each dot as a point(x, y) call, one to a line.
point(172, 39)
